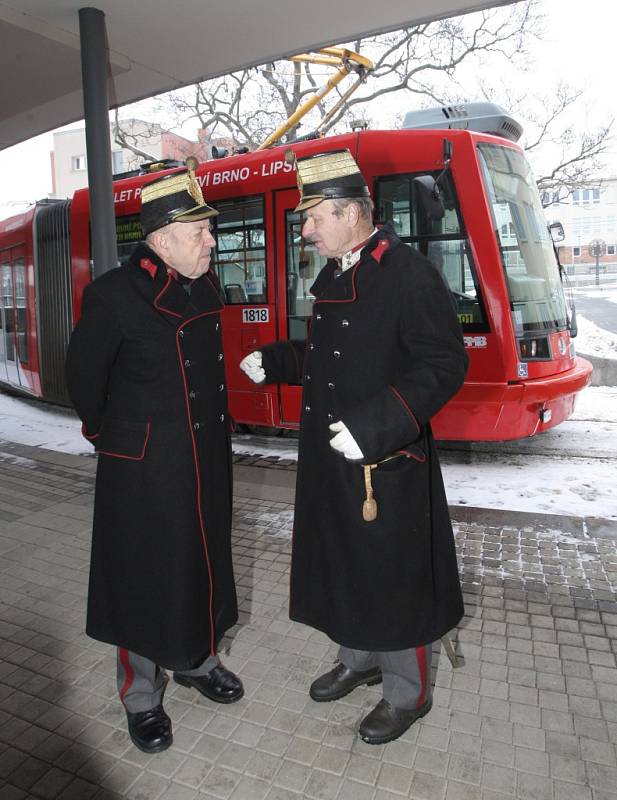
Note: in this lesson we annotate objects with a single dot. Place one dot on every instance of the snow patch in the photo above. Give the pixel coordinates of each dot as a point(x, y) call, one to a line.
point(594, 341)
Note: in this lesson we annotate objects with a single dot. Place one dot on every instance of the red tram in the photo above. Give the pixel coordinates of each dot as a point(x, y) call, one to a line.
point(491, 244)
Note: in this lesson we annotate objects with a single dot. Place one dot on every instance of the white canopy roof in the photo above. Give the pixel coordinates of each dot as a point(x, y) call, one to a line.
point(158, 45)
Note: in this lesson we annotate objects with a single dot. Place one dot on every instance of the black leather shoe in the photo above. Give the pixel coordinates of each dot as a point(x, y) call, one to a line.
point(219, 684)
point(386, 723)
point(340, 681)
point(150, 730)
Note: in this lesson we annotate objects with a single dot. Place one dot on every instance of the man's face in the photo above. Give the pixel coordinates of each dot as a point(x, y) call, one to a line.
point(332, 234)
point(188, 247)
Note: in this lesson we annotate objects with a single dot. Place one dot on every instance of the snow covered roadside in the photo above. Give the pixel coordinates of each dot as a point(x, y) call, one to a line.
point(593, 340)
point(569, 470)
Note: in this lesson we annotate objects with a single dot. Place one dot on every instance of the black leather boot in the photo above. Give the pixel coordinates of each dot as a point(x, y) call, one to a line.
point(150, 730)
point(220, 684)
point(386, 722)
point(340, 681)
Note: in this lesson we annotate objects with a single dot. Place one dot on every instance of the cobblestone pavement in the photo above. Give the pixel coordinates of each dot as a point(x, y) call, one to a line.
point(532, 714)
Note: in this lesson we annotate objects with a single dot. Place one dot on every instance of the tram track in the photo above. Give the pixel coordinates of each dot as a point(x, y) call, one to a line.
point(580, 439)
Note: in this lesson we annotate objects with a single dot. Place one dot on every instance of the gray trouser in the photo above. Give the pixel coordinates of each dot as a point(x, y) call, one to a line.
point(406, 673)
point(141, 682)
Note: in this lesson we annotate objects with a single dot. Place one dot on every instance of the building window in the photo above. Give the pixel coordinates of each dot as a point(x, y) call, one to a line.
point(79, 163)
point(576, 251)
point(586, 197)
point(117, 161)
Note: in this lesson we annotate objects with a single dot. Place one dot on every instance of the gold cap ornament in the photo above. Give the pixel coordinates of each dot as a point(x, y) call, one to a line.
point(173, 198)
point(327, 176)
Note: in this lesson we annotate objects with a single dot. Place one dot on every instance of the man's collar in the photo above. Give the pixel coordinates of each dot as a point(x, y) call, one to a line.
point(351, 257)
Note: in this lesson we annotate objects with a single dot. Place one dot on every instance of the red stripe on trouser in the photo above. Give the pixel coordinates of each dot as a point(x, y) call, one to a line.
point(129, 674)
point(423, 670)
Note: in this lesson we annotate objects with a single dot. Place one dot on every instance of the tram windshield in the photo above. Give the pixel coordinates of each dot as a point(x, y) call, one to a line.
point(536, 294)
point(443, 241)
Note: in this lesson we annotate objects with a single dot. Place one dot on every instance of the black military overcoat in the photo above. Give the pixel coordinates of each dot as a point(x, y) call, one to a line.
point(384, 354)
point(145, 372)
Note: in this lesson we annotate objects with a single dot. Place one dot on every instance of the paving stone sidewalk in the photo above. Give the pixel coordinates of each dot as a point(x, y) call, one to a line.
point(532, 714)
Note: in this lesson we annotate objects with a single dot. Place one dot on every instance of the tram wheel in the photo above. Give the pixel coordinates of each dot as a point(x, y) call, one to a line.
point(264, 430)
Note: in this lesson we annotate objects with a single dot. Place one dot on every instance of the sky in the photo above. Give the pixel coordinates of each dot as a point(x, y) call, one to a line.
point(578, 45)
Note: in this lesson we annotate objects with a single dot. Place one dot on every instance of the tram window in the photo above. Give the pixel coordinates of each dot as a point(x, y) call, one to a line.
point(240, 255)
point(4, 264)
point(20, 310)
point(8, 311)
point(443, 241)
point(303, 266)
point(536, 295)
point(128, 235)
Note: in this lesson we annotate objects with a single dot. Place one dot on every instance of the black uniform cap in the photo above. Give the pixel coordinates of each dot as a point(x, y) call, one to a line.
point(173, 198)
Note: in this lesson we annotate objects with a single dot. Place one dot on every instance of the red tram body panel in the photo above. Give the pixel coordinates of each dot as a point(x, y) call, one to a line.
point(492, 247)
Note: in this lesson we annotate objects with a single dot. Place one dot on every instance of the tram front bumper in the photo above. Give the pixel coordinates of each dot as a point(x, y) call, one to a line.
point(515, 410)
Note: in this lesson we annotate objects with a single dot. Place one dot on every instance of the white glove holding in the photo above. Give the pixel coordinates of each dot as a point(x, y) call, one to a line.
point(251, 365)
point(344, 443)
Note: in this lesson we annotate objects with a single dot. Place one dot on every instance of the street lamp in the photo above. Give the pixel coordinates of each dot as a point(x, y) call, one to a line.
point(597, 248)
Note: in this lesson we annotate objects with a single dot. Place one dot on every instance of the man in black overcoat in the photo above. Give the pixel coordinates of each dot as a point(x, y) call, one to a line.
point(373, 561)
point(145, 373)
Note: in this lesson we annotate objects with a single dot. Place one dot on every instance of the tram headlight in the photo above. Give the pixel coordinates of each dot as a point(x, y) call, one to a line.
point(537, 349)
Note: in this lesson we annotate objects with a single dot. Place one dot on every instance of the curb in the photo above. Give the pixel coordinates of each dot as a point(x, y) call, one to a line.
point(579, 527)
point(275, 486)
point(604, 370)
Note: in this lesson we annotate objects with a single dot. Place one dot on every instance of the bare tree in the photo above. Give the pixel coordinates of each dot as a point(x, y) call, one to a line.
point(566, 157)
point(416, 67)
point(127, 137)
point(417, 64)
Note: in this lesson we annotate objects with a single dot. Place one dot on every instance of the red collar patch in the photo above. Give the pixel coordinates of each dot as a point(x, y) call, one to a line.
point(150, 268)
point(380, 249)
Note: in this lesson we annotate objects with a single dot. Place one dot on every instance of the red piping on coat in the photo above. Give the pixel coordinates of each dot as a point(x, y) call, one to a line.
point(197, 475)
point(407, 454)
point(291, 561)
point(140, 457)
point(423, 668)
point(353, 286)
point(129, 674)
point(88, 436)
point(160, 308)
point(401, 399)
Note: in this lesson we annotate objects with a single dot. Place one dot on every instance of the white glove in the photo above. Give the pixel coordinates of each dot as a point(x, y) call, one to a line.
point(251, 365)
point(344, 443)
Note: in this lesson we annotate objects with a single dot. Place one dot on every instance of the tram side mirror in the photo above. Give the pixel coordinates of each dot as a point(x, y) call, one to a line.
point(573, 322)
point(557, 232)
point(429, 196)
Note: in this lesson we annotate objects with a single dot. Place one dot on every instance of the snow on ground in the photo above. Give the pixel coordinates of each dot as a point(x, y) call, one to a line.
point(593, 340)
point(568, 470)
point(41, 425)
point(578, 487)
point(602, 291)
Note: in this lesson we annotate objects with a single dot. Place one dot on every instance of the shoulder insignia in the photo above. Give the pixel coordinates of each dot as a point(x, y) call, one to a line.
point(150, 268)
point(380, 248)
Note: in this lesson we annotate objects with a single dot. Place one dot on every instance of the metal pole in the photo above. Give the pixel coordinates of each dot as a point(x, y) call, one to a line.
point(597, 266)
point(98, 145)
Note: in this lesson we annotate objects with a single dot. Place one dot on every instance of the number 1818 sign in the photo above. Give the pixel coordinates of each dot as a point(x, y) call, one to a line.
point(255, 315)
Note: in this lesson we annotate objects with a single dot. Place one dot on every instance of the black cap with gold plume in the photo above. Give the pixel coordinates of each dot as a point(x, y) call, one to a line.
point(173, 198)
point(327, 176)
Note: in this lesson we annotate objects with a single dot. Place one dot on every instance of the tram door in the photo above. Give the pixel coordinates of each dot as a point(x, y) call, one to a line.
point(13, 337)
point(298, 266)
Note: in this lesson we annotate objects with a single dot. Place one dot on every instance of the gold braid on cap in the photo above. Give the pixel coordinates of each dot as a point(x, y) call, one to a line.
point(194, 189)
point(290, 158)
